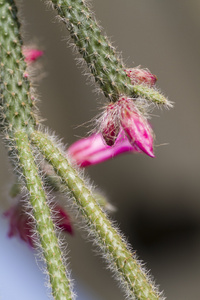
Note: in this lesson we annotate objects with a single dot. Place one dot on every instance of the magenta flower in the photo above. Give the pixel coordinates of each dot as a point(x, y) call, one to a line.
point(21, 226)
point(93, 150)
point(124, 114)
point(141, 76)
point(31, 55)
point(62, 219)
point(122, 129)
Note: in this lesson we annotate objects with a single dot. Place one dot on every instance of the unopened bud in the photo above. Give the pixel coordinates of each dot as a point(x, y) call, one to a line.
point(141, 76)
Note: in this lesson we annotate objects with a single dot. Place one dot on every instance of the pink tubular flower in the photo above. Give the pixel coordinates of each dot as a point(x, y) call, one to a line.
point(32, 55)
point(141, 76)
point(93, 150)
point(20, 223)
point(132, 122)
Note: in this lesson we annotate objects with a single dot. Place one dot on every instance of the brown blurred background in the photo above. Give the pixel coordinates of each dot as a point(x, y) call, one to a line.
point(158, 200)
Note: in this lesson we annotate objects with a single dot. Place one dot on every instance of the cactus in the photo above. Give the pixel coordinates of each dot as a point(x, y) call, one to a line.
point(20, 130)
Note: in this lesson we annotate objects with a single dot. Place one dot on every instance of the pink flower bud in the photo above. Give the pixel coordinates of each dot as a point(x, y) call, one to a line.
point(141, 76)
point(31, 55)
point(25, 75)
point(20, 223)
point(92, 150)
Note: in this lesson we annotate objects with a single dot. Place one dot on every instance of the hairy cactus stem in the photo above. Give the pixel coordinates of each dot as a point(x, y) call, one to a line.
point(99, 54)
point(17, 121)
point(15, 89)
point(120, 259)
point(103, 61)
point(46, 229)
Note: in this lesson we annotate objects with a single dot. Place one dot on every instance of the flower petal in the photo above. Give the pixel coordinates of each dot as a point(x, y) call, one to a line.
point(93, 150)
point(136, 127)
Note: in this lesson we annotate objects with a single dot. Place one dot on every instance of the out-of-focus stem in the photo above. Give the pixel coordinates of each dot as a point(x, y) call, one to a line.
point(120, 259)
point(60, 284)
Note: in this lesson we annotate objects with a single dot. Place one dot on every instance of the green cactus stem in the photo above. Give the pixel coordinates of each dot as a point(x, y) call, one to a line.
point(95, 48)
point(17, 121)
point(120, 259)
point(103, 61)
point(46, 229)
point(151, 95)
point(16, 103)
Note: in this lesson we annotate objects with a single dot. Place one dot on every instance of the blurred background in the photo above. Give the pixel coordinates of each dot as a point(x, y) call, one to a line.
point(157, 200)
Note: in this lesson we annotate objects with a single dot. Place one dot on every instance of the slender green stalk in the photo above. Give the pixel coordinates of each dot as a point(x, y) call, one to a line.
point(99, 54)
point(46, 229)
point(152, 95)
point(121, 260)
point(103, 61)
point(17, 120)
point(15, 96)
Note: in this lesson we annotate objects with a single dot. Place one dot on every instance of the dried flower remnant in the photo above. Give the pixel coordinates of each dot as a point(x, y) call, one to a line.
point(109, 124)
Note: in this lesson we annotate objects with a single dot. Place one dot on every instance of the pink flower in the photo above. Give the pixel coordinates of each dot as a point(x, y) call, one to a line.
point(93, 150)
point(125, 115)
point(20, 223)
point(31, 55)
point(141, 76)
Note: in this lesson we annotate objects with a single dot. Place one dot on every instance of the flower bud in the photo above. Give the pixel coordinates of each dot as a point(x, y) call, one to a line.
point(31, 55)
point(141, 76)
